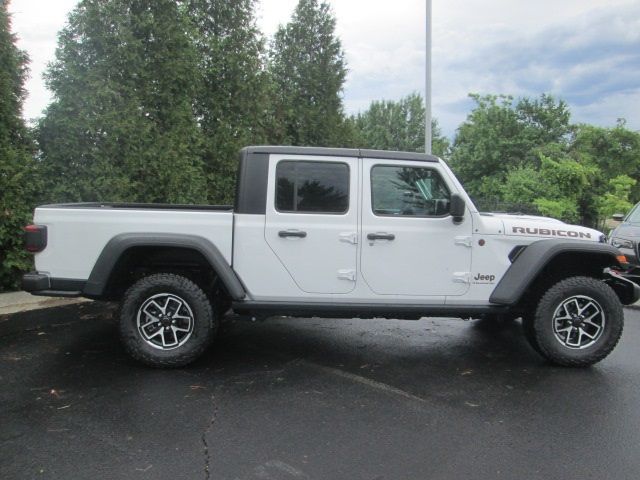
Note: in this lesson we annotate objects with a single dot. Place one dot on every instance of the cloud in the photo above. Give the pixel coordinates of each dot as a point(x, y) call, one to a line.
point(592, 61)
point(585, 51)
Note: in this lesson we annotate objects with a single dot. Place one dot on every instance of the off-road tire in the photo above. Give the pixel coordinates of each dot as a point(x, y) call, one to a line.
point(544, 338)
point(205, 321)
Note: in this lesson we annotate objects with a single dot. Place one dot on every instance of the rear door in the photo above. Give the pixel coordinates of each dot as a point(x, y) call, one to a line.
point(312, 218)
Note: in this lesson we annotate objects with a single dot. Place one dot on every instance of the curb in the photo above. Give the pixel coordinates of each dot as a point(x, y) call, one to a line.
point(16, 302)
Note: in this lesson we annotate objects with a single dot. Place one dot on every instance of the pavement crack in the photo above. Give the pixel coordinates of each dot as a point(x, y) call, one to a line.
point(205, 445)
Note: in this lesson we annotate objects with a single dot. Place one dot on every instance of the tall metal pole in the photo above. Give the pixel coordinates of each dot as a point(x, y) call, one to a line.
point(427, 90)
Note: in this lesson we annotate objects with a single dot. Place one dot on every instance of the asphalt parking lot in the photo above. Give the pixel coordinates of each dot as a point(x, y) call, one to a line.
point(312, 399)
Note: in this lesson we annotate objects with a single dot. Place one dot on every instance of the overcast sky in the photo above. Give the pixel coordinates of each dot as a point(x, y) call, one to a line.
point(585, 51)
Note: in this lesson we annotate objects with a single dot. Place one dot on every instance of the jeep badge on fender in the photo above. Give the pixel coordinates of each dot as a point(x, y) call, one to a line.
point(480, 278)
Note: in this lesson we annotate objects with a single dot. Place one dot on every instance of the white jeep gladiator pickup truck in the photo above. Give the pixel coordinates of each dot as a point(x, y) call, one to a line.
point(331, 233)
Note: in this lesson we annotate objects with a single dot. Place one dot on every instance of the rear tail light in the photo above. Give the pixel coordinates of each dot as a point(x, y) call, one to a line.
point(35, 238)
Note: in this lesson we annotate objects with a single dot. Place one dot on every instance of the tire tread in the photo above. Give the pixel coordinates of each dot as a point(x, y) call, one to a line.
point(547, 304)
point(132, 342)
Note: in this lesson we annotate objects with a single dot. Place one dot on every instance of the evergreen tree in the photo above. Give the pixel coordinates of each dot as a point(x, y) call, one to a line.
point(309, 70)
point(232, 102)
point(18, 180)
point(398, 125)
point(121, 126)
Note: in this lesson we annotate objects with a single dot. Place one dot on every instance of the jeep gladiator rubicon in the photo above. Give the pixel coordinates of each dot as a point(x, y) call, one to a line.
point(331, 233)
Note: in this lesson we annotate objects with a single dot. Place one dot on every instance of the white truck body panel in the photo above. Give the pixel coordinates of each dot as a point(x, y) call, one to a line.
point(324, 261)
point(77, 236)
point(261, 272)
point(429, 256)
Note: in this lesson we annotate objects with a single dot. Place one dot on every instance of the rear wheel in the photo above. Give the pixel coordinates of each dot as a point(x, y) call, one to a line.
point(577, 322)
point(166, 320)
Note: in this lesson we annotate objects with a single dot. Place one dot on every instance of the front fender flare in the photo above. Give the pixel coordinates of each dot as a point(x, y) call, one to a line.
point(534, 258)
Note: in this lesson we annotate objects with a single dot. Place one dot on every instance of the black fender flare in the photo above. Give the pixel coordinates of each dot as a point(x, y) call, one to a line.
point(534, 258)
point(113, 250)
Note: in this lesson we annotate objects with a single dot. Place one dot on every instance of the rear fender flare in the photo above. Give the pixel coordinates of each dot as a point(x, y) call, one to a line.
point(98, 279)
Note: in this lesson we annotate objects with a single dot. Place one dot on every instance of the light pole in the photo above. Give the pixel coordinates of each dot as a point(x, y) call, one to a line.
point(427, 90)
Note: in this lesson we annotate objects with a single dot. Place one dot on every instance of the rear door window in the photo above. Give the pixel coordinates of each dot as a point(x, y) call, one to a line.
point(312, 187)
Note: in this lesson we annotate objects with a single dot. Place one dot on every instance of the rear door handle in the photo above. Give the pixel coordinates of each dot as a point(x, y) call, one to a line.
point(292, 233)
point(381, 236)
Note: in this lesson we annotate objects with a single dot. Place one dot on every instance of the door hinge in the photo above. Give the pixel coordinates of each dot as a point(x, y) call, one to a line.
point(464, 240)
point(461, 277)
point(347, 275)
point(349, 237)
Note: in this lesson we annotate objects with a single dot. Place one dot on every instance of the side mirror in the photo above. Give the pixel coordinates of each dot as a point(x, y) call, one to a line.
point(457, 207)
point(618, 217)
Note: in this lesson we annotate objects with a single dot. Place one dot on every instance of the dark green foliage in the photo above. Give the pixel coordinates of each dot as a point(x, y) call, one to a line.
point(121, 126)
point(615, 151)
point(18, 180)
point(308, 71)
point(500, 134)
point(391, 125)
point(528, 153)
point(556, 187)
point(233, 98)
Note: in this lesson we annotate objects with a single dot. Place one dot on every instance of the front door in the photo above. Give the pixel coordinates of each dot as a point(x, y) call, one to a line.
point(410, 245)
point(311, 226)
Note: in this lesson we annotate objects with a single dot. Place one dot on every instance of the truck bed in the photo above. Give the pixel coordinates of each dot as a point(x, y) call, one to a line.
point(140, 206)
point(78, 232)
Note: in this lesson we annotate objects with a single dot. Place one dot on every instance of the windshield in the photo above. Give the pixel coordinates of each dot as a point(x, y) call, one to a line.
point(634, 215)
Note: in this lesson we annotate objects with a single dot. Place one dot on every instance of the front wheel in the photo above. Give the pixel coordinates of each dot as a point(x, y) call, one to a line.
point(577, 322)
point(166, 320)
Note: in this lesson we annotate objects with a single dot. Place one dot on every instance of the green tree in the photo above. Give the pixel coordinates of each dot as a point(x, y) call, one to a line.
point(121, 125)
point(616, 151)
point(308, 69)
point(233, 98)
point(18, 175)
point(556, 187)
point(616, 200)
point(501, 134)
point(397, 125)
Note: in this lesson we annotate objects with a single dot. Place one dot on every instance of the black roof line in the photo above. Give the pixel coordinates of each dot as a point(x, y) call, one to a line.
point(341, 152)
point(394, 155)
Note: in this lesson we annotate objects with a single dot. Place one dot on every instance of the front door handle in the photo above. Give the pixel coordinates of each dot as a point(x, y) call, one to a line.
point(381, 236)
point(292, 233)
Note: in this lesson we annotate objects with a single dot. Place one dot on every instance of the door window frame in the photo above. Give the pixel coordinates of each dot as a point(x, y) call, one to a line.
point(311, 212)
point(390, 215)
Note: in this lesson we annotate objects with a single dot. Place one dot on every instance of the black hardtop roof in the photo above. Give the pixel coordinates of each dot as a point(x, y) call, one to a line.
point(340, 152)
